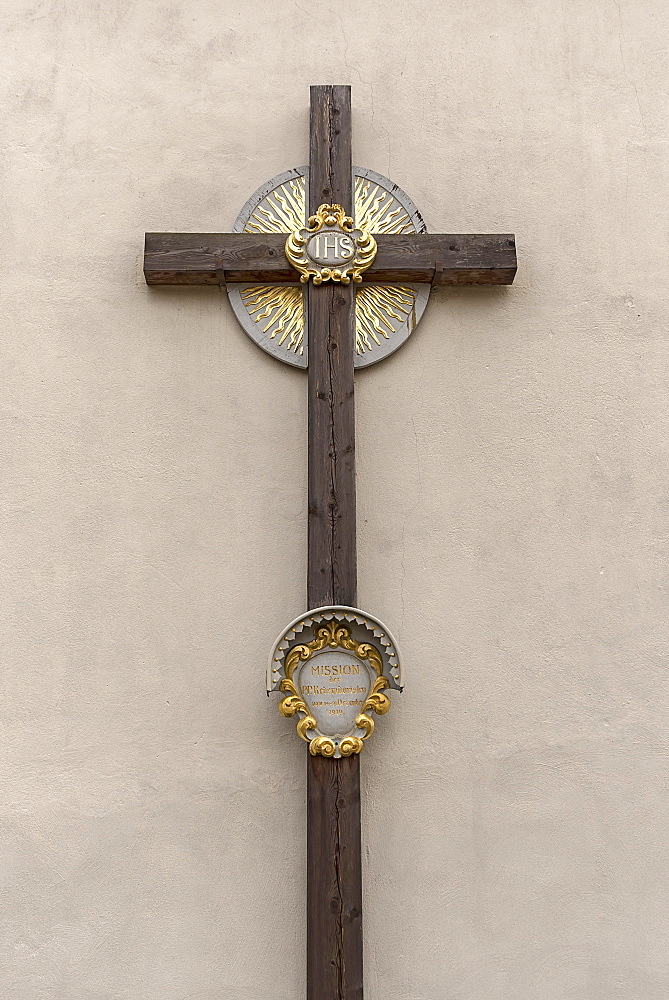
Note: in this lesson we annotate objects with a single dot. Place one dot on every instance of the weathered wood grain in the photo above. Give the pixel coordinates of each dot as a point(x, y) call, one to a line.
point(199, 258)
point(334, 881)
point(330, 137)
point(331, 433)
point(484, 259)
point(331, 324)
point(334, 932)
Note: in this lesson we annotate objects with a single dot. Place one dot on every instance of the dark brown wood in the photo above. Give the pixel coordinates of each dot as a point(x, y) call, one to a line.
point(483, 259)
point(331, 573)
point(334, 880)
point(330, 163)
point(198, 258)
point(334, 933)
point(331, 345)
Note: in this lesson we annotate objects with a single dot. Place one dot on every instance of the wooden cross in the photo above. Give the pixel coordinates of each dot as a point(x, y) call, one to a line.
point(334, 882)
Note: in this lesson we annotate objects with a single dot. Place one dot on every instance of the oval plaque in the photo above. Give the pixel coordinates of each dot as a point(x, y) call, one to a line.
point(332, 249)
point(334, 667)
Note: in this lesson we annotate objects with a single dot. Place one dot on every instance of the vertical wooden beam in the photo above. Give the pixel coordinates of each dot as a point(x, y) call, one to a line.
point(334, 881)
point(331, 570)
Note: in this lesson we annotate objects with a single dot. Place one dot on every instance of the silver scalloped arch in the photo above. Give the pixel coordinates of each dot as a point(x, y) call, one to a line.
point(364, 628)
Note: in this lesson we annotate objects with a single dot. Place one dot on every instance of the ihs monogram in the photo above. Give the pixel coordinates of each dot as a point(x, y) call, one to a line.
point(330, 248)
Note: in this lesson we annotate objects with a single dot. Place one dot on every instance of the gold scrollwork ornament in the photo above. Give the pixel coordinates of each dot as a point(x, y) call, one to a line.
point(331, 248)
point(335, 635)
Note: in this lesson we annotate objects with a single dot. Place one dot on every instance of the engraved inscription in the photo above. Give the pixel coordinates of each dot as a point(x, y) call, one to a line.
point(331, 248)
point(335, 685)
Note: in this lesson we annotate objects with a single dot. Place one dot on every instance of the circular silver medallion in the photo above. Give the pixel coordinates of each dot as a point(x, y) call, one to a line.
point(275, 317)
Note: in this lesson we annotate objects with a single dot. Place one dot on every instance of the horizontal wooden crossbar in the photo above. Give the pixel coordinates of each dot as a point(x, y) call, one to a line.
point(210, 258)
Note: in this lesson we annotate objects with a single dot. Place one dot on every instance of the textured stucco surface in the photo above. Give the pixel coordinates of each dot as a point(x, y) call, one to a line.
point(513, 506)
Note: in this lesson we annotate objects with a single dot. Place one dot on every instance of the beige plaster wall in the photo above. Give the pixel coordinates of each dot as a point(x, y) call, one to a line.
point(513, 506)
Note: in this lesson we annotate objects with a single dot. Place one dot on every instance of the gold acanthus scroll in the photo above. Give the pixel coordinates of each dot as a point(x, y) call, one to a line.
point(356, 247)
point(335, 635)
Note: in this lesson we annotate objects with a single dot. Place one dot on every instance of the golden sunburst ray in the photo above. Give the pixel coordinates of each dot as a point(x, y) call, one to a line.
point(377, 306)
point(281, 211)
point(283, 307)
point(378, 210)
point(380, 310)
point(374, 304)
